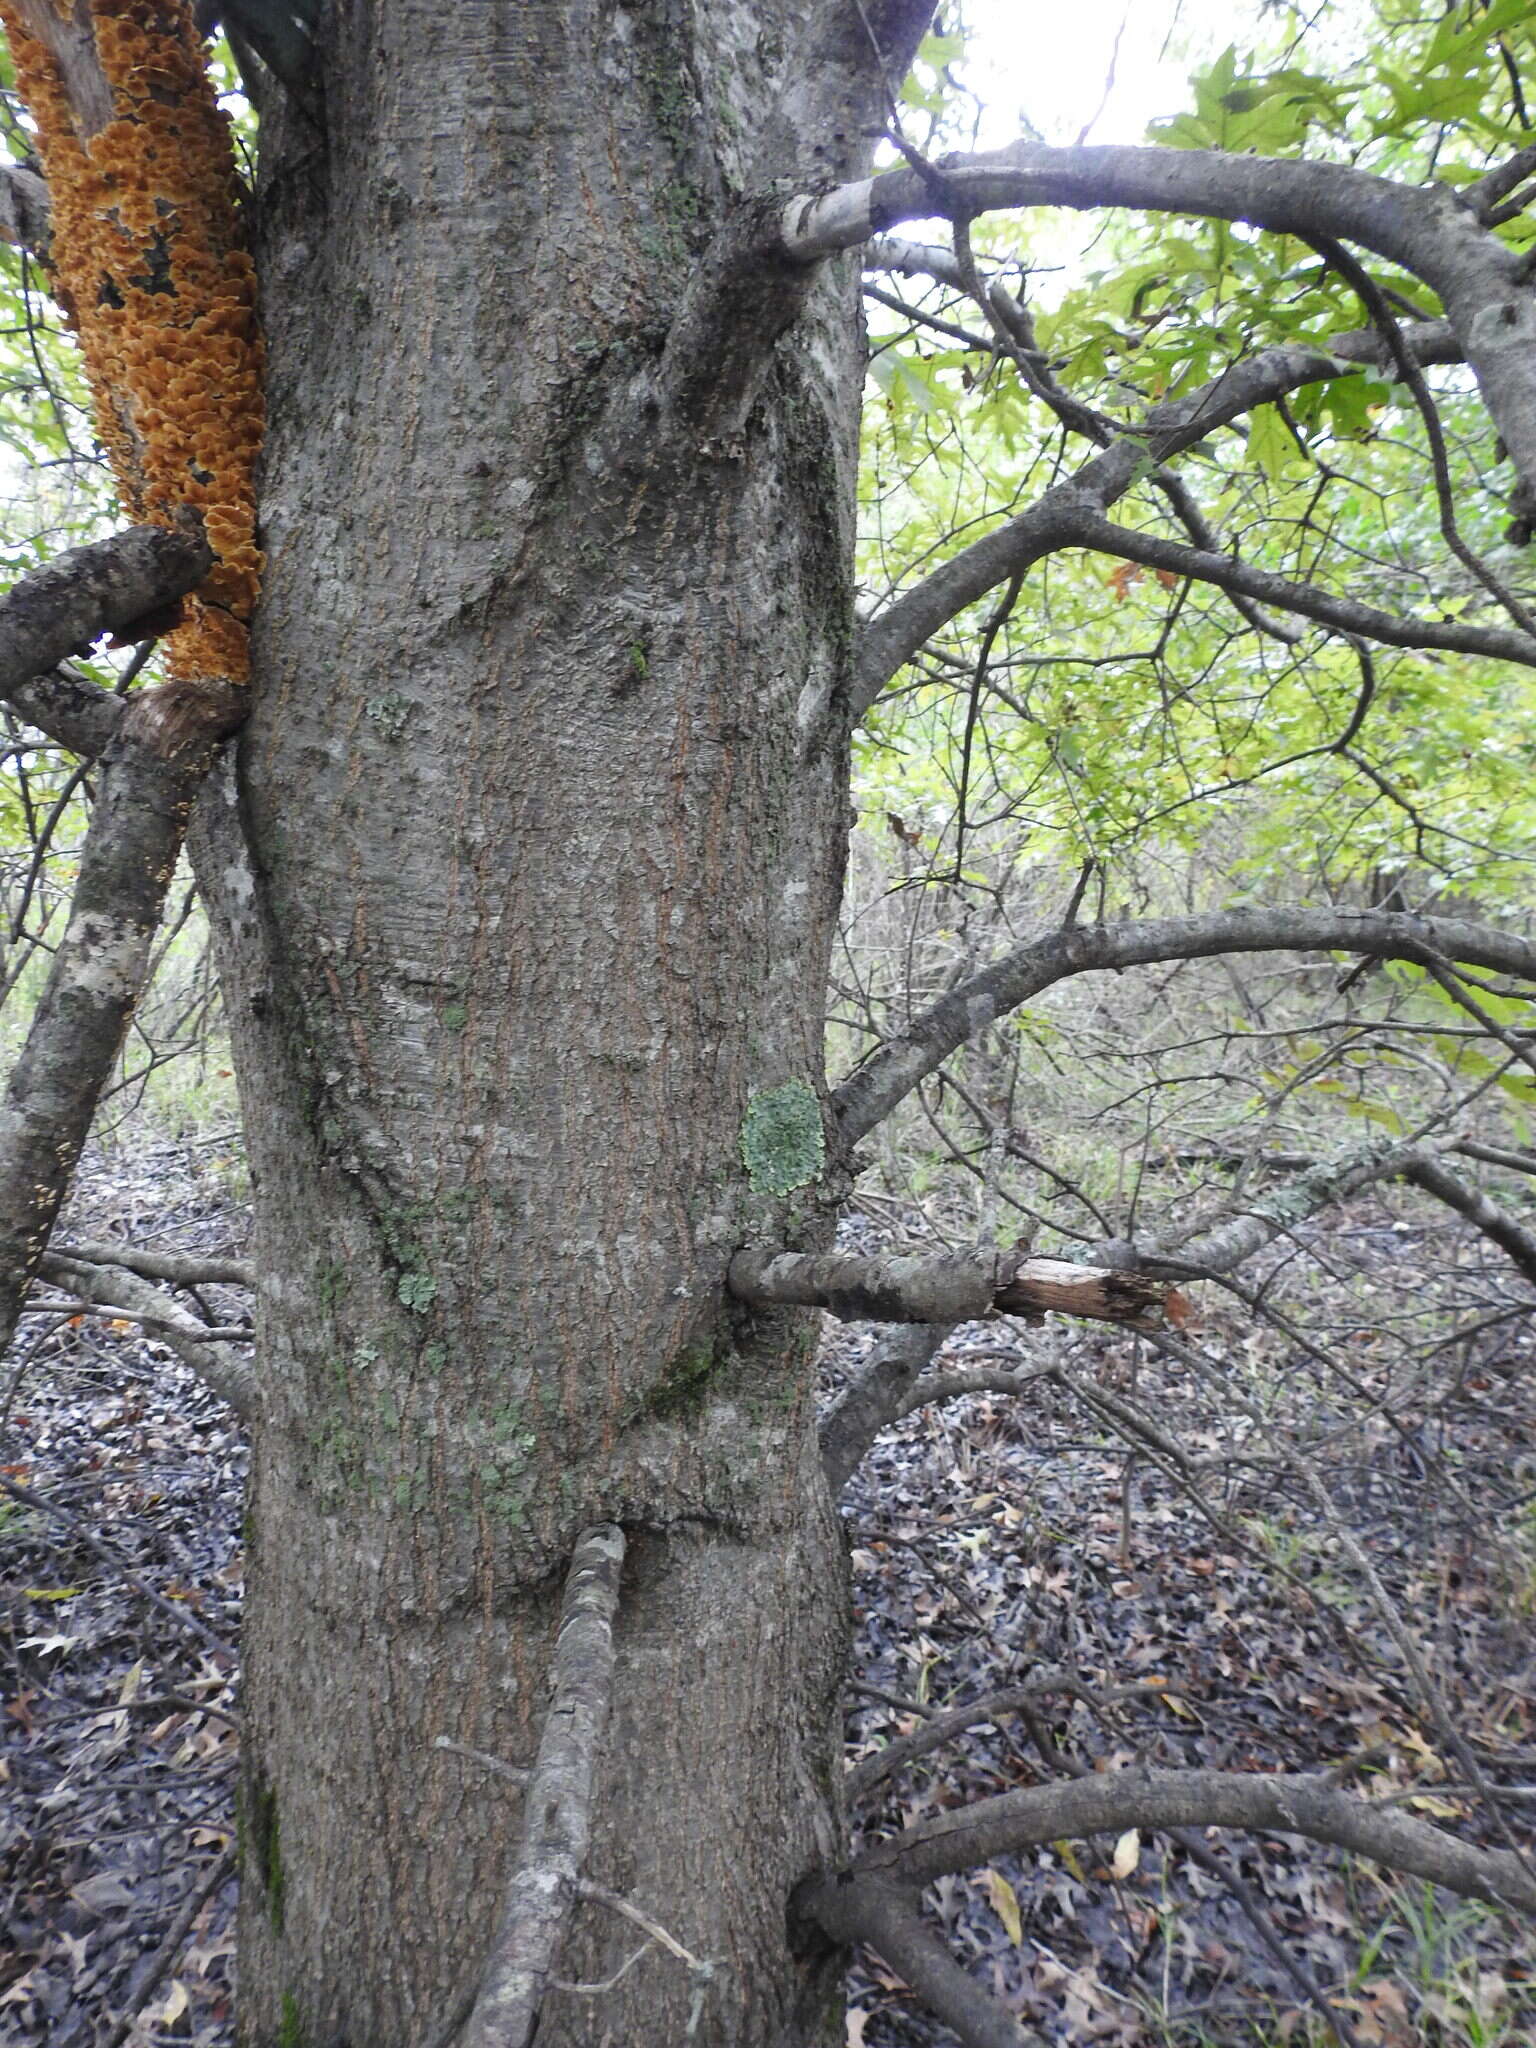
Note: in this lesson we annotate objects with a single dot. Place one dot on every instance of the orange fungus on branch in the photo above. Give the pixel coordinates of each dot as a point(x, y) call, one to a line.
point(149, 263)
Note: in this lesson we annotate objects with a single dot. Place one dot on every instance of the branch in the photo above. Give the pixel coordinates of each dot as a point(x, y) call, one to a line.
point(1435, 1178)
point(150, 775)
point(1426, 229)
point(23, 207)
point(204, 1351)
point(1052, 1683)
point(1163, 431)
point(1287, 1804)
point(884, 1916)
point(1283, 194)
point(147, 1980)
point(888, 1073)
point(178, 1612)
point(935, 1388)
point(558, 1806)
point(874, 1398)
point(70, 710)
point(1230, 1243)
point(182, 1269)
point(66, 606)
point(281, 32)
point(1085, 528)
point(958, 1289)
point(1220, 1247)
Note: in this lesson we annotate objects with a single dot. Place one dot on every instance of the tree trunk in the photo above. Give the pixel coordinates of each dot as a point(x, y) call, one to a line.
point(525, 884)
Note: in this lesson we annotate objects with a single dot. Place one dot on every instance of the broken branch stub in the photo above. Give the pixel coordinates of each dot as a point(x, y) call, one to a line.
point(955, 1289)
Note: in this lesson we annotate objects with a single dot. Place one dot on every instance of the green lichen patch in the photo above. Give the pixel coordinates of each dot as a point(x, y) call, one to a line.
point(782, 1145)
point(418, 1291)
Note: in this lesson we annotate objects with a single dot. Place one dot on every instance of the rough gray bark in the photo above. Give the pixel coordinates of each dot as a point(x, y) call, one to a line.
point(523, 887)
point(525, 890)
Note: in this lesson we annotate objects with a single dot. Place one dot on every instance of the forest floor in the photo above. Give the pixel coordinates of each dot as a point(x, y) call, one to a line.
point(997, 1542)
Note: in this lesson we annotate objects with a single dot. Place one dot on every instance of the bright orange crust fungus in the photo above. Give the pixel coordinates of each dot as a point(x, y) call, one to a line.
point(150, 266)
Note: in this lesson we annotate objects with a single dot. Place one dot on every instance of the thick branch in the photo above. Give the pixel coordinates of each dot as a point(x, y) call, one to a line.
point(64, 607)
point(1283, 194)
point(1496, 1224)
point(884, 1916)
point(558, 1805)
point(70, 709)
point(1425, 229)
point(1270, 1215)
point(881, 1080)
point(1220, 1247)
point(874, 1397)
point(1282, 1804)
point(941, 1290)
point(182, 1269)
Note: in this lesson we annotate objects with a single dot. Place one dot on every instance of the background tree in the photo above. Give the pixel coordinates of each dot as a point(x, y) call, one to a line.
point(525, 870)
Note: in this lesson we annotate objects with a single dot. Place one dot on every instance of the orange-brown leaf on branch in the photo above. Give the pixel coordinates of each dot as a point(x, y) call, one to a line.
point(1121, 579)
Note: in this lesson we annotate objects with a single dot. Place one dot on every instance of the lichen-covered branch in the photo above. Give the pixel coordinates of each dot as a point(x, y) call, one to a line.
point(886, 1075)
point(558, 1803)
point(954, 1289)
point(1289, 1804)
point(1234, 1240)
point(1222, 1246)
